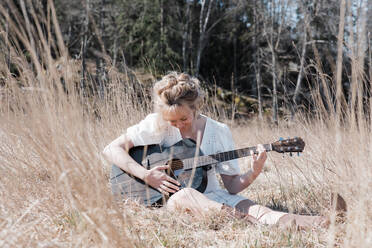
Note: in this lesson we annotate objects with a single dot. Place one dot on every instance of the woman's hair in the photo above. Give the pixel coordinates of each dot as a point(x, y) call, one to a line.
point(177, 89)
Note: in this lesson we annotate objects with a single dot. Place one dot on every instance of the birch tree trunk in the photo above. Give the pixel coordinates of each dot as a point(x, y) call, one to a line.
point(203, 23)
point(302, 62)
point(273, 69)
point(275, 83)
point(257, 61)
point(361, 48)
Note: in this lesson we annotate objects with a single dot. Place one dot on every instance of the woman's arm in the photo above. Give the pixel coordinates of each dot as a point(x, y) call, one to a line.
point(117, 153)
point(236, 183)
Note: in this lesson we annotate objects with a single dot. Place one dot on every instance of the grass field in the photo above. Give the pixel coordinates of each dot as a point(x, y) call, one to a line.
point(55, 190)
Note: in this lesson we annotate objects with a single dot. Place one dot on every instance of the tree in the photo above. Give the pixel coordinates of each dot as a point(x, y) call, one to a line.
point(305, 29)
point(257, 58)
point(203, 35)
point(273, 26)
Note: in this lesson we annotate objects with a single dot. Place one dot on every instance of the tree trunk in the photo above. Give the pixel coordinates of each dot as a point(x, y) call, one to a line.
point(340, 39)
point(302, 62)
point(275, 83)
point(361, 48)
point(115, 45)
point(162, 39)
point(235, 50)
point(353, 83)
point(203, 22)
point(273, 64)
point(7, 38)
point(84, 47)
point(28, 26)
point(101, 63)
point(370, 76)
point(185, 35)
point(257, 62)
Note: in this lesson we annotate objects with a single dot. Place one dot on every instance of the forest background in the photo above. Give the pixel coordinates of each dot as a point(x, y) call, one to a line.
point(276, 52)
point(270, 56)
point(75, 74)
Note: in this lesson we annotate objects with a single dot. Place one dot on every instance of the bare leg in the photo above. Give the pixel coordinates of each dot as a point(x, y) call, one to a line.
point(193, 201)
point(263, 214)
point(266, 215)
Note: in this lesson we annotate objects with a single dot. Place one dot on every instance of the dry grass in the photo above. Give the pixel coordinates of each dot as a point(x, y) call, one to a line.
point(54, 189)
point(55, 192)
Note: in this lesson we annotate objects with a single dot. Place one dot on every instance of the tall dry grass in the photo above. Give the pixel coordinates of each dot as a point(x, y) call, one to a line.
point(54, 189)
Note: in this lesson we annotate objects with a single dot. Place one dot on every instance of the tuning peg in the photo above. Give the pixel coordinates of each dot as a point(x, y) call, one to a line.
point(298, 154)
point(290, 154)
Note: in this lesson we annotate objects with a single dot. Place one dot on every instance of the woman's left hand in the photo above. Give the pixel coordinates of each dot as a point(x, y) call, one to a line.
point(236, 183)
point(258, 161)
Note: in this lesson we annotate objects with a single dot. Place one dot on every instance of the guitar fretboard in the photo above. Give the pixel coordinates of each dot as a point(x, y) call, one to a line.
point(205, 160)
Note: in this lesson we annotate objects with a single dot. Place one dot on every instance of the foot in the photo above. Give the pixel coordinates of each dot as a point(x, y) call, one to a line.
point(303, 222)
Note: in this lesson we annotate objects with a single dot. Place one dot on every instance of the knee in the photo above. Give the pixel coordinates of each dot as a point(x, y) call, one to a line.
point(183, 195)
point(182, 198)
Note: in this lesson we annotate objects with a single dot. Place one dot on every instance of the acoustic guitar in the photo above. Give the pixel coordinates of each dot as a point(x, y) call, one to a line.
point(187, 165)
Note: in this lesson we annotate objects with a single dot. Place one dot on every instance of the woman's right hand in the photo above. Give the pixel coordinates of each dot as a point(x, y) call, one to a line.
point(159, 180)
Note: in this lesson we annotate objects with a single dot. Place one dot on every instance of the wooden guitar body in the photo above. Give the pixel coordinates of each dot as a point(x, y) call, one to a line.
point(126, 186)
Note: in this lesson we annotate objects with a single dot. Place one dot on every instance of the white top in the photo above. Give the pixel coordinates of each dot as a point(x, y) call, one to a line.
point(217, 138)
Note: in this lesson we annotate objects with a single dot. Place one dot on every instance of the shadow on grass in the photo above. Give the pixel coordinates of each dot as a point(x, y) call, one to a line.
point(277, 206)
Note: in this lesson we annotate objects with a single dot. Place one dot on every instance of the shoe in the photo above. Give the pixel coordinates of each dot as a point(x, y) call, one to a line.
point(338, 204)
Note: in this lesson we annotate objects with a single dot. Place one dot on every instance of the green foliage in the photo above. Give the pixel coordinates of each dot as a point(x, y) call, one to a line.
point(150, 34)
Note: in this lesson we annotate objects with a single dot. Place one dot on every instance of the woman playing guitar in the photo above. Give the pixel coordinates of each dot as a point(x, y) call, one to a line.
point(177, 101)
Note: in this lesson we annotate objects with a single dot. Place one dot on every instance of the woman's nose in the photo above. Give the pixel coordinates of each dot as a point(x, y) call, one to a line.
point(179, 125)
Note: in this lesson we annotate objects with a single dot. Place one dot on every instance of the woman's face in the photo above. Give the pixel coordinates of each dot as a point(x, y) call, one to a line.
point(181, 117)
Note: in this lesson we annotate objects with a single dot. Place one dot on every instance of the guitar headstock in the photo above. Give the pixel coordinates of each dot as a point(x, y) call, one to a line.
point(289, 145)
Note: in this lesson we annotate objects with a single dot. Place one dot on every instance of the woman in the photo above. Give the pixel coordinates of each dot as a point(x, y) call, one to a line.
point(177, 101)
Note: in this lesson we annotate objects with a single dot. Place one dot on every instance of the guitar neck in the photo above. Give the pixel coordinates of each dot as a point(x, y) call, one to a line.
point(222, 156)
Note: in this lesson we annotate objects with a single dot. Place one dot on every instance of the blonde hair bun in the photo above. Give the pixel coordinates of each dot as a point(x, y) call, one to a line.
point(176, 89)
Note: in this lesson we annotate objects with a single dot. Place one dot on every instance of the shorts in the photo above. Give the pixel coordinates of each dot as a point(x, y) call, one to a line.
point(224, 197)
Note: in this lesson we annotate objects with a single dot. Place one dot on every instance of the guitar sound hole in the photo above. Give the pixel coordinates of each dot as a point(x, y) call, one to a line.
point(175, 164)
